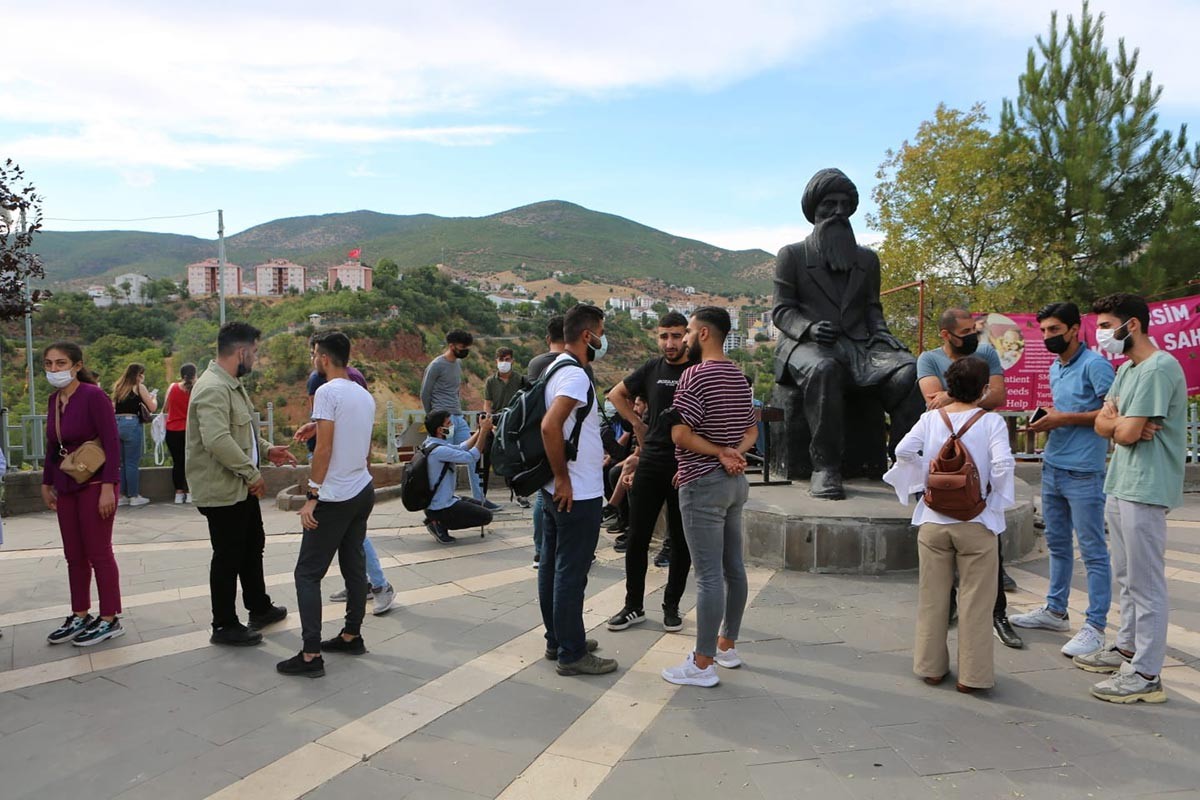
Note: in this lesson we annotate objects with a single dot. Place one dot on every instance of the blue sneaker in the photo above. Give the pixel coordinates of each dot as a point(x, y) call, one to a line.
point(72, 626)
point(100, 630)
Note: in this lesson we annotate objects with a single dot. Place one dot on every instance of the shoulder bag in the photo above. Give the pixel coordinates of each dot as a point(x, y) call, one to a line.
point(84, 461)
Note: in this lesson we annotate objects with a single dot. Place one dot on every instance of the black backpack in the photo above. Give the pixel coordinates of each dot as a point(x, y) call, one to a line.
point(415, 491)
point(518, 453)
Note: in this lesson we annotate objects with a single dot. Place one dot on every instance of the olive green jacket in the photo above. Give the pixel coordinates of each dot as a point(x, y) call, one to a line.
point(220, 440)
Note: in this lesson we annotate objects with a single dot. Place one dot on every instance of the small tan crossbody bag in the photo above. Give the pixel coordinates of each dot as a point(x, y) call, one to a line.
point(84, 461)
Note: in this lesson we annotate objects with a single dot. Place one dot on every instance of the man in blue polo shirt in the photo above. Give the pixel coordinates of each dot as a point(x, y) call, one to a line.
point(1073, 480)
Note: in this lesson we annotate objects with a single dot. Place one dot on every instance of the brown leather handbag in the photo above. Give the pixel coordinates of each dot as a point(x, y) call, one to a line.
point(84, 461)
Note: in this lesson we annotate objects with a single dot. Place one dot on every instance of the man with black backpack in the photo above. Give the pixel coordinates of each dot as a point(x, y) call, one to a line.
point(446, 512)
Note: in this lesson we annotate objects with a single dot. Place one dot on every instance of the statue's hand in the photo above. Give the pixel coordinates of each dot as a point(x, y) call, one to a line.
point(824, 333)
point(885, 337)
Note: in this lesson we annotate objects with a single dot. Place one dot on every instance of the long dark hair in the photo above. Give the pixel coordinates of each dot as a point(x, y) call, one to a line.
point(127, 383)
point(75, 353)
point(187, 373)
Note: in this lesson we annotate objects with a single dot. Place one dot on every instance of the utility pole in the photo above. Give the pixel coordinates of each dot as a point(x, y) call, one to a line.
point(29, 334)
point(221, 261)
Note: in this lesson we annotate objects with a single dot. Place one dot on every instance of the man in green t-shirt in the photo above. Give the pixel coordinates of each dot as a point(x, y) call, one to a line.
point(1144, 416)
point(498, 391)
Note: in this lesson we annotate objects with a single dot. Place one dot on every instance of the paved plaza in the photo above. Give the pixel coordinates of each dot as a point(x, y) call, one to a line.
point(454, 699)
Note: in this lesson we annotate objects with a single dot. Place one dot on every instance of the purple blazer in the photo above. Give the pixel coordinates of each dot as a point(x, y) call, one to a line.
point(89, 415)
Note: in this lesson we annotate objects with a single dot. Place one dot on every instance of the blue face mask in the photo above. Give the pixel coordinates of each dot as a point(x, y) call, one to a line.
point(595, 353)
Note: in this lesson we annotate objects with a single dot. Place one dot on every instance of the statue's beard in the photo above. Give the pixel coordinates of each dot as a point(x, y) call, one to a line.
point(836, 244)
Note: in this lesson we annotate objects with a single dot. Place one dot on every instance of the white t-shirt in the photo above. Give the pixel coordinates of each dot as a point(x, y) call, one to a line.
point(351, 409)
point(587, 470)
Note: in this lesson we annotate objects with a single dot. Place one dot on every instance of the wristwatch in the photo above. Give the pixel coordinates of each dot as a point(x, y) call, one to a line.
point(311, 496)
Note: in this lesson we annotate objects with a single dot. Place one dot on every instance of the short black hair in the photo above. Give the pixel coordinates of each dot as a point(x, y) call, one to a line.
point(554, 329)
point(459, 337)
point(672, 319)
point(334, 344)
point(581, 317)
point(950, 317)
point(503, 352)
point(1124, 307)
point(435, 420)
point(716, 318)
point(234, 335)
point(1065, 312)
point(967, 378)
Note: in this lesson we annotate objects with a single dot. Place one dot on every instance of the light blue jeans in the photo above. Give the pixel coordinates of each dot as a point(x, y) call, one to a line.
point(132, 435)
point(374, 568)
point(1075, 501)
point(537, 523)
point(461, 433)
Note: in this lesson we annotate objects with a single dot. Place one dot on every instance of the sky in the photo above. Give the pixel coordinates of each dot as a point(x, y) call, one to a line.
point(700, 118)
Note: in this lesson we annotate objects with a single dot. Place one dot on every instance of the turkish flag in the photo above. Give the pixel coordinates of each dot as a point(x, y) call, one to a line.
point(355, 253)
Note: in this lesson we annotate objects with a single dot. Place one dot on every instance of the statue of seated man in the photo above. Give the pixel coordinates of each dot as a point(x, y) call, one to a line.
point(833, 337)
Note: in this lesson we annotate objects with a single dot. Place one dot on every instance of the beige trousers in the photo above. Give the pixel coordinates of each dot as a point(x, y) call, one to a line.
point(972, 548)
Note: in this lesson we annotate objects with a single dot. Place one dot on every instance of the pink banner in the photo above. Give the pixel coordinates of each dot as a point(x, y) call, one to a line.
point(1174, 327)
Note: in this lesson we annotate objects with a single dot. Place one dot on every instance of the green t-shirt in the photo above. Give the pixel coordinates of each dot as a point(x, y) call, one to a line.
point(501, 392)
point(1151, 472)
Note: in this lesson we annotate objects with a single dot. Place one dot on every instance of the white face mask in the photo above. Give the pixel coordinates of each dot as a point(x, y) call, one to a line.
point(1107, 339)
point(60, 380)
point(505, 367)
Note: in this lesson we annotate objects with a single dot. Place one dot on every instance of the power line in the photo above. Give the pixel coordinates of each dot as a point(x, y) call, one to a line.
point(135, 219)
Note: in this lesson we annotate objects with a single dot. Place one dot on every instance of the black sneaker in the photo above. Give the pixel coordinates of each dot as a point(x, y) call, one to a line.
point(261, 619)
point(354, 647)
point(671, 620)
point(552, 652)
point(72, 626)
point(627, 617)
point(235, 635)
point(1005, 633)
point(296, 665)
point(100, 630)
point(1007, 581)
point(489, 505)
point(523, 502)
point(621, 545)
point(438, 531)
point(588, 665)
point(620, 526)
point(607, 513)
point(663, 559)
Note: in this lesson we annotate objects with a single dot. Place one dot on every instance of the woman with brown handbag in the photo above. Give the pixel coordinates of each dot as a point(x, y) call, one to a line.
point(82, 489)
point(134, 405)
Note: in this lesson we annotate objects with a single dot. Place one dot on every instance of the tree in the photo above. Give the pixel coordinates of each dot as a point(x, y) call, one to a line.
point(1103, 175)
point(946, 203)
point(20, 219)
point(388, 267)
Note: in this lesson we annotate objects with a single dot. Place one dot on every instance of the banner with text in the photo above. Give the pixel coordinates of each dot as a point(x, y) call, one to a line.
point(1174, 327)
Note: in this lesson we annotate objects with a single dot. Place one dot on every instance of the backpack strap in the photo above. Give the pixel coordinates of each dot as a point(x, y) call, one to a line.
point(446, 467)
point(961, 431)
point(582, 412)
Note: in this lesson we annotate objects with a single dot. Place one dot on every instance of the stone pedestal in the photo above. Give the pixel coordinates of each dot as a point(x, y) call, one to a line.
point(868, 533)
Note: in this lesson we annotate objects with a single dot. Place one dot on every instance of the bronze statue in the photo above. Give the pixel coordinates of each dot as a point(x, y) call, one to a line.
point(834, 342)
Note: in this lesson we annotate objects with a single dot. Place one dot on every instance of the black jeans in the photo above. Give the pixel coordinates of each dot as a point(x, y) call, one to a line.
point(568, 545)
point(466, 512)
point(652, 486)
point(176, 444)
point(238, 540)
point(341, 529)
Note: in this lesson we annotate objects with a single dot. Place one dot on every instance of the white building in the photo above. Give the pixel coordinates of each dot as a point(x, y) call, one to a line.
point(352, 275)
point(734, 341)
point(100, 296)
point(202, 278)
point(132, 288)
point(734, 317)
point(278, 276)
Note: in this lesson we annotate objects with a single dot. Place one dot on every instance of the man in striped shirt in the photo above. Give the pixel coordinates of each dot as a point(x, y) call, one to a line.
point(714, 425)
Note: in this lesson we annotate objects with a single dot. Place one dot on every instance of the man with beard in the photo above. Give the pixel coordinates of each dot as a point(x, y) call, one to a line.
point(960, 339)
point(833, 337)
point(653, 480)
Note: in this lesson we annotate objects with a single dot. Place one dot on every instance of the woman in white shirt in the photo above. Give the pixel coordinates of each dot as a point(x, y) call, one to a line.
point(944, 543)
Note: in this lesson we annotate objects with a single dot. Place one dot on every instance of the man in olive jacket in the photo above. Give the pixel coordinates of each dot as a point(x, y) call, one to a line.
point(223, 453)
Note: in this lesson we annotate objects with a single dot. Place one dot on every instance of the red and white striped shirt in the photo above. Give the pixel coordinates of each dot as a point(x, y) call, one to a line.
point(714, 400)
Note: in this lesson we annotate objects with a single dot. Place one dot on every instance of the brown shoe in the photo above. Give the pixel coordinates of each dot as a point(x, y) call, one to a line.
point(935, 681)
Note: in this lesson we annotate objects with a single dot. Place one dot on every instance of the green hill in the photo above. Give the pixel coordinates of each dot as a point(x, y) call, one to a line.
point(552, 235)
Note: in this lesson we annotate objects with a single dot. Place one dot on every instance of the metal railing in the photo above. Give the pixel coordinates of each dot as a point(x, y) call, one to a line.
point(1024, 442)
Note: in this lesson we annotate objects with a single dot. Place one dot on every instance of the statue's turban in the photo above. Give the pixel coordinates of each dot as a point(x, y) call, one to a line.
point(824, 182)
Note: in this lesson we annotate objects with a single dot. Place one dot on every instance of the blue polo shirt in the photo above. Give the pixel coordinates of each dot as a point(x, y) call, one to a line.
point(934, 363)
point(1077, 387)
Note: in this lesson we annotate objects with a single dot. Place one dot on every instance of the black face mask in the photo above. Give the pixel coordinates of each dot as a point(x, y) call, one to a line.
point(243, 369)
point(970, 343)
point(1058, 344)
point(462, 353)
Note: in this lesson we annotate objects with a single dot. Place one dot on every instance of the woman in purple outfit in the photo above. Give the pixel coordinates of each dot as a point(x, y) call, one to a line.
point(79, 411)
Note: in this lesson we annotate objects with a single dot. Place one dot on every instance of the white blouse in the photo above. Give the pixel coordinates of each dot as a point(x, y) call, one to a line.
point(986, 441)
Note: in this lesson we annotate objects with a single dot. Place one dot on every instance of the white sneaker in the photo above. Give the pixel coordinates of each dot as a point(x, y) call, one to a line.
point(138, 501)
point(179, 498)
point(187, 498)
point(1041, 617)
point(385, 598)
point(688, 674)
point(123, 500)
point(1087, 641)
point(729, 659)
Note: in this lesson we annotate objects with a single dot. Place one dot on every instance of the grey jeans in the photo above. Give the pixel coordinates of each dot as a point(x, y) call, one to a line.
point(711, 507)
point(1139, 541)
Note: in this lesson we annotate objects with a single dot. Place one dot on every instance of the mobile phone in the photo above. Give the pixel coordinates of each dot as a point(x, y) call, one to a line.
point(1037, 414)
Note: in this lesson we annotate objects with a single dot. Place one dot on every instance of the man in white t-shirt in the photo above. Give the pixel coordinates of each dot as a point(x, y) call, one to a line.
point(572, 501)
point(340, 499)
